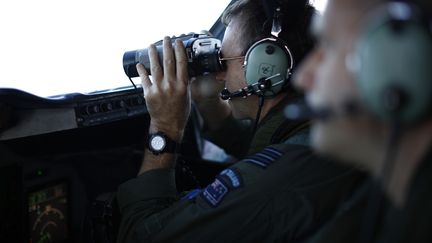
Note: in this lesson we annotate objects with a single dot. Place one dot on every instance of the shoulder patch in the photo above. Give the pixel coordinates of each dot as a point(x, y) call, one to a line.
point(233, 176)
point(215, 192)
point(264, 157)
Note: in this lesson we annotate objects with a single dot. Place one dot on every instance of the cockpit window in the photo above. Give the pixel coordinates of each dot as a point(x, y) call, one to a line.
point(56, 47)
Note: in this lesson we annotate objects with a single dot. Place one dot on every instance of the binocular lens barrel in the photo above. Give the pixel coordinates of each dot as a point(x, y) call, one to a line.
point(202, 53)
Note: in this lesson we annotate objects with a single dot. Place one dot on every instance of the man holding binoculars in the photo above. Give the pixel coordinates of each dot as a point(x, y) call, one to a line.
point(281, 191)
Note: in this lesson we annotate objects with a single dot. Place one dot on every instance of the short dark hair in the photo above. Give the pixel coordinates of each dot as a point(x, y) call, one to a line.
point(255, 25)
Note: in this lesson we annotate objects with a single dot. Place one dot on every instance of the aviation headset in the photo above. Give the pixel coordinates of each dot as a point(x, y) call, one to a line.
point(391, 63)
point(268, 62)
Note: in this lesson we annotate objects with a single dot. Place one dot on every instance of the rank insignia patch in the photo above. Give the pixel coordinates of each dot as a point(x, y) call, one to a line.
point(264, 157)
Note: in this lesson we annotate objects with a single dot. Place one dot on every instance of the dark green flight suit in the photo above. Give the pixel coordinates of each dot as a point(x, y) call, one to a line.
point(412, 223)
point(283, 193)
point(236, 136)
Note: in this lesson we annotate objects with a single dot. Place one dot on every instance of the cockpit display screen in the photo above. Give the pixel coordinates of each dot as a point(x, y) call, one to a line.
point(48, 214)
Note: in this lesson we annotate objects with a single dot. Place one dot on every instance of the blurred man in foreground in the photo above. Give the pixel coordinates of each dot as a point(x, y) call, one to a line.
point(369, 84)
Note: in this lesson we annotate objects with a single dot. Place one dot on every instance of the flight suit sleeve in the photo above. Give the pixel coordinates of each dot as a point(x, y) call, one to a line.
point(275, 195)
point(234, 136)
point(143, 196)
point(151, 211)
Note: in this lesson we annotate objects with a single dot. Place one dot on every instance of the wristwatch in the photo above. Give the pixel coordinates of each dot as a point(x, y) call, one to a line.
point(159, 143)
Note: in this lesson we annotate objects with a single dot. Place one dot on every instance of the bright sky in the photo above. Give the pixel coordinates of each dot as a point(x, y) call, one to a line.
point(50, 47)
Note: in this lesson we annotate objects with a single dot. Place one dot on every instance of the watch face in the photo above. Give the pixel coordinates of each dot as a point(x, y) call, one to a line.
point(157, 143)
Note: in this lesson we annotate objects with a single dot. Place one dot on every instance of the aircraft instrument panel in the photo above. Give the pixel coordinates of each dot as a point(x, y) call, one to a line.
point(48, 214)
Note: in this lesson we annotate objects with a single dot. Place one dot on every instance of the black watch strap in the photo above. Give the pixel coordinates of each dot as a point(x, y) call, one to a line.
point(169, 146)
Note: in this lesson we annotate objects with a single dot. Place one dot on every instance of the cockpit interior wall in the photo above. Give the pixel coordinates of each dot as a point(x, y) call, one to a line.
point(11, 197)
point(62, 160)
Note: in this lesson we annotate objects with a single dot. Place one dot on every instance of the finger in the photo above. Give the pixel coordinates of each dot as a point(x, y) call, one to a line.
point(181, 62)
point(145, 80)
point(155, 68)
point(168, 60)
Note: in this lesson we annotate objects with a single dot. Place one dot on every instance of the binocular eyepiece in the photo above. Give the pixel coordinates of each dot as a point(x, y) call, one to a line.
point(202, 55)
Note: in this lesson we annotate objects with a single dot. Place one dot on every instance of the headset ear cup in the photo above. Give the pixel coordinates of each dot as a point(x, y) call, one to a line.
point(267, 58)
point(394, 56)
